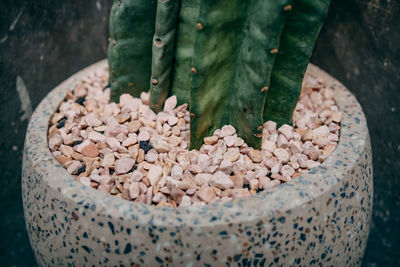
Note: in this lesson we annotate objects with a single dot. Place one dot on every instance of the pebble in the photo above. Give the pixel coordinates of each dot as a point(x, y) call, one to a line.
point(254, 184)
point(229, 140)
point(202, 178)
point(206, 194)
point(170, 103)
point(221, 180)
point(123, 165)
point(159, 143)
point(151, 156)
point(102, 146)
point(210, 140)
point(123, 117)
point(282, 142)
point(270, 126)
point(131, 140)
point(134, 126)
point(74, 166)
point(185, 201)
point(268, 145)
point(237, 180)
point(88, 149)
point(92, 121)
point(55, 141)
point(232, 154)
point(282, 155)
point(195, 169)
point(177, 171)
point(108, 160)
point(96, 137)
point(238, 142)
point(172, 121)
point(134, 190)
point(113, 143)
point(336, 117)
point(287, 131)
point(240, 192)
point(255, 155)
point(227, 130)
point(295, 146)
point(143, 136)
point(287, 170)
point(154, 174)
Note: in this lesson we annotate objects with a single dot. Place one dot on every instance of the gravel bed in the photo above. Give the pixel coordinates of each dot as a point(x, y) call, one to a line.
point(131, 152)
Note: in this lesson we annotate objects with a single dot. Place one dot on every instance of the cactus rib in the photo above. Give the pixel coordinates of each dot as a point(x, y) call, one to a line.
point(188, 15)
point(297, 41)
point(163, 51)
point(129, 51)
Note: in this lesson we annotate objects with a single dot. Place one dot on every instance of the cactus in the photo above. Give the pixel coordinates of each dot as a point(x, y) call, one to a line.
point(130, 48)
point(235, 62)
point(297, 41)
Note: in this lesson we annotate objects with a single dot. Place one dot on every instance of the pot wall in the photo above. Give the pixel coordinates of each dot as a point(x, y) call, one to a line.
point(321, 217)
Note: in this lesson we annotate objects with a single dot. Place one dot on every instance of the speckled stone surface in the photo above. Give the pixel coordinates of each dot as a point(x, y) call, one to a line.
point(322, 217)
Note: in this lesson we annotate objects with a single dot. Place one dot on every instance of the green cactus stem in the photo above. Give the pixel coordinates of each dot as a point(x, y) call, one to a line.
point(130, 49)
point(188, 14)
point(233, 57)
point(297, 41)
point(163, 51)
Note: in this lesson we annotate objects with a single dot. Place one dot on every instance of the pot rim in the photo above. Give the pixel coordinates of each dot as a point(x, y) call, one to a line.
point(270, 203)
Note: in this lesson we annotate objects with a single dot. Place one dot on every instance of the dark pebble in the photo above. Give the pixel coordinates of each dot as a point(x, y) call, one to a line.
point(81, 169)
point(107, 86)
point(246, 186)
point(61, 123)
point(133, 168)
point(145, 146)
point(76, 143)
point(112, 171)
point(81, 100)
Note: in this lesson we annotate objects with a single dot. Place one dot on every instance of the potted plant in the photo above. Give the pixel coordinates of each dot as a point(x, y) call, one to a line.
point(250, 189)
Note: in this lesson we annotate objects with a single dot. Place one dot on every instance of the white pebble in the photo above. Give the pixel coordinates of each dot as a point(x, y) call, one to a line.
point(96, 137)
point(227, 130)
point(221, 180)
point(287, 171)
point(154, 174)
point(123, 165)
point(229, 140)
point(170, 103)
point(202, 178)
point(287, 131)
point(151, 156)
point(134, 190)
point(113, 143)
point(282, 155)
point(143, 136)
point(185, 201)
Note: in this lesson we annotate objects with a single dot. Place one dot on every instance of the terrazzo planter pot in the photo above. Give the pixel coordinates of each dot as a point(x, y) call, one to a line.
point(322, 217)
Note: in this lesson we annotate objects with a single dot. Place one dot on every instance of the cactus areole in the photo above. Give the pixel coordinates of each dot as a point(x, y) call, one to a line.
point(233, 61)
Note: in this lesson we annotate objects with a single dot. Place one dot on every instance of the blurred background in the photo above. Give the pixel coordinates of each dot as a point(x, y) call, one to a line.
point(43, 42)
